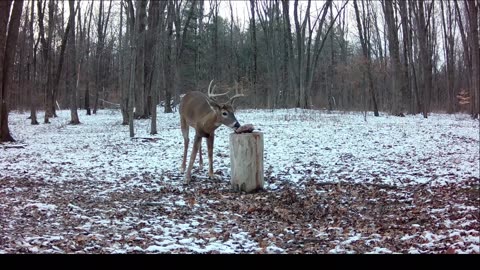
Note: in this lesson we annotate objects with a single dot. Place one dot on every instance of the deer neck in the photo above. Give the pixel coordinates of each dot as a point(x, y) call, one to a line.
point(210, 122)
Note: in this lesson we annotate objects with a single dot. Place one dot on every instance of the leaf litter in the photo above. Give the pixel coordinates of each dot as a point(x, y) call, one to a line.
point(333, 184)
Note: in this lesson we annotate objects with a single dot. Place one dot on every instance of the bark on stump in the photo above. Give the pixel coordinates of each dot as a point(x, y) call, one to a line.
point(246, 161)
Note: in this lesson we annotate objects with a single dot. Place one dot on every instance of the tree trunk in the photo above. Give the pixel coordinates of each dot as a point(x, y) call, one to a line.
point(398, 82)
point(474, 46)
point(199, 49)
point(72, 78)
point(32, 64)
point(425, 58)
point(101, 33)
point(332, 68)
point(290, 69)
point(449, 47)
point(365, 48)
point(87, 56)
point(131, 96)
point(406, 52)
point(254, 55)
point(170, 61)
point(215, 40)
point(5, 7)
point(50, 98)
point(58, 72)
point(157, 63)
point(8, 50)
point(178, 46)
point(150, 37)
point(152, 65)
point(47, 58)
point(121, 73)
point(140, 108)
point(246, 159)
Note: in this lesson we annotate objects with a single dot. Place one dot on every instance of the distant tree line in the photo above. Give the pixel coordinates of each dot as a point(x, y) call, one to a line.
point(405, 57)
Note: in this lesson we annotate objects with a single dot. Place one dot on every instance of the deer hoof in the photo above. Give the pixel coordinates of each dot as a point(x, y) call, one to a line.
point(186, 181)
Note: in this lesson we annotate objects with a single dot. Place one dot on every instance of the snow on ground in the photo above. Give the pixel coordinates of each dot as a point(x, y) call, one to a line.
point(334, 183)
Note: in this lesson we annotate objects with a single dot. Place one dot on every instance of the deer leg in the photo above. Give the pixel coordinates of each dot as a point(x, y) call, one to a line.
point(185, 129)
point(200, 162)
point(196, 142)
point(210, 141)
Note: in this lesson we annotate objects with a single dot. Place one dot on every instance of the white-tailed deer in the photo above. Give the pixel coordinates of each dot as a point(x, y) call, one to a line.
point(205, 114)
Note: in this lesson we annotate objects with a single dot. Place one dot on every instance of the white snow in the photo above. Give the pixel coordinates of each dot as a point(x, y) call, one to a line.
point(380, 250)
point(42, 206)
point(299, 145)
point(338, 146)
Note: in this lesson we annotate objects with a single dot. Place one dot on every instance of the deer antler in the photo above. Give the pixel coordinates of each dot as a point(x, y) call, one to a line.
point(211, 94)
point(237, 94)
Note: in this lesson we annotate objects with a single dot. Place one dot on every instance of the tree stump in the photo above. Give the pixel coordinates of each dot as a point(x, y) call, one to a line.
point(246, 161)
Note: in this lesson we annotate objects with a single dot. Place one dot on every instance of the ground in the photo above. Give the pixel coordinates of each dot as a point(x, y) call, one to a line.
point(334, 183)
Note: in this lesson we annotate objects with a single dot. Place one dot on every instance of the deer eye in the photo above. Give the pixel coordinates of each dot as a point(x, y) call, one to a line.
point(224, 113)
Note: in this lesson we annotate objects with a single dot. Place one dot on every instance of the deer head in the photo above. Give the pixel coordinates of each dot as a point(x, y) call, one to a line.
point(225, 110)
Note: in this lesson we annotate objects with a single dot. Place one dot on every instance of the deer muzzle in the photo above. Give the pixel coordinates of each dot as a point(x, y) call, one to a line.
point(234, 125)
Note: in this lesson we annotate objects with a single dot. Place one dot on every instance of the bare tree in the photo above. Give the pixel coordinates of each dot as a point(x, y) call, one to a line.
point(423, 20)
point(254, 54)
point(304, 61)
point(121, 73)
point(102, 24)
point(363, 32)
point(473, 16)
point(85, 54)
point(449, 44)
point(175, 40)
point(157, 72)
point(266, 15)
point(133, 24)
point(140, 20)
point(199, 48)
point(72, 76)
point(32, 65)
point(46, 53)
point(398, 82)
point(8, 41)
point(407, 51)
point(68, 29)
point(170, 71)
